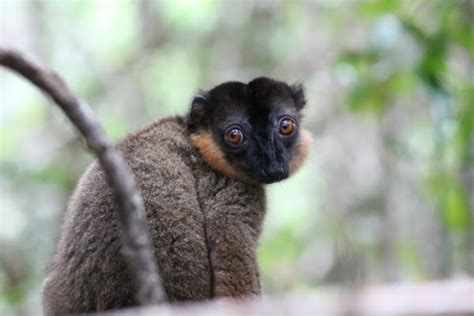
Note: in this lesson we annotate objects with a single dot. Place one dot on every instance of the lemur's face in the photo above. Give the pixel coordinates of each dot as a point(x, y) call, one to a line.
point(251, 131)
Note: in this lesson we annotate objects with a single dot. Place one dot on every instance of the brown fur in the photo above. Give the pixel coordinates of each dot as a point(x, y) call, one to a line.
point(204, 227)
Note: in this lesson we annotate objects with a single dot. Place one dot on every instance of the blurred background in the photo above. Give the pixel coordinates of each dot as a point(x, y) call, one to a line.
point(388, 193)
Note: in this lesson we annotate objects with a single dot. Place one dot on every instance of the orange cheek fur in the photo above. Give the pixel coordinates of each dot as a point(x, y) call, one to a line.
point(214, 157)
point(301, 151)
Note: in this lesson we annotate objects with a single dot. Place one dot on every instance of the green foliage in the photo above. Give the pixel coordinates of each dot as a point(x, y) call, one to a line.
point(374, 8)
point(437, 29)
point(454, 200)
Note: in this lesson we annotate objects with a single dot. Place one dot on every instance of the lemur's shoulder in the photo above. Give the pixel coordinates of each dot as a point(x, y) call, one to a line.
point(166, 135)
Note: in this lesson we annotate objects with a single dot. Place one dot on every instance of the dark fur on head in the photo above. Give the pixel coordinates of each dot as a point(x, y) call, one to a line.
point(257, 109)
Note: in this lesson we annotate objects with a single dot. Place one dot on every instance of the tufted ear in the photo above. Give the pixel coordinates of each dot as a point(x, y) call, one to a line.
point(297, 92)
point(197, 111)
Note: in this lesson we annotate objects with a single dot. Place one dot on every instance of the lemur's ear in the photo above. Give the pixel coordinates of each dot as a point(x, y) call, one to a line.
point(198, 106)
point(297, 92)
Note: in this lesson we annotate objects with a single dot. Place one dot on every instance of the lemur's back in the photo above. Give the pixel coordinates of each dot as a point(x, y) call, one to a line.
point(88, 272)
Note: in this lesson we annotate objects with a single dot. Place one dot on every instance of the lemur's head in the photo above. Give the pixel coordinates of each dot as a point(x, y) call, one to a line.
point(251, 132)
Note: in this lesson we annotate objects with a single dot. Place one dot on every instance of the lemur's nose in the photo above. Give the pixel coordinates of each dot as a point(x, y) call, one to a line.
point(277, 171)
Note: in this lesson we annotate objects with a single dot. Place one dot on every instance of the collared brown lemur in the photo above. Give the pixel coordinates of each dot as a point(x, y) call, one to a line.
point(202, 179)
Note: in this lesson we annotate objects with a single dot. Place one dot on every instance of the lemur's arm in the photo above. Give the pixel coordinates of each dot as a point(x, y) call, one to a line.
point(233, 225)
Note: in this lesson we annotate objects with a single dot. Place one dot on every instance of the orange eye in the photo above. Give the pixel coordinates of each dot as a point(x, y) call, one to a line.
point(234, 136)
point(287, 126)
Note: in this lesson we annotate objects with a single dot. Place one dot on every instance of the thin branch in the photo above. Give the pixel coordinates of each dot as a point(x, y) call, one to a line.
point(137, 247)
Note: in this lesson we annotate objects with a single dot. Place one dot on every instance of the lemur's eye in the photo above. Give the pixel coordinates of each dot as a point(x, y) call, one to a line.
point(287, 126)
point(234, 136)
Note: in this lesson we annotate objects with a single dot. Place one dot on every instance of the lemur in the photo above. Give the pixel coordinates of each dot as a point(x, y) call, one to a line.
point(202, 179)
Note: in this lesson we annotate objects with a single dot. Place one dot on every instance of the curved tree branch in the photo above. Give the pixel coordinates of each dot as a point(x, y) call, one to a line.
point(137, 247)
